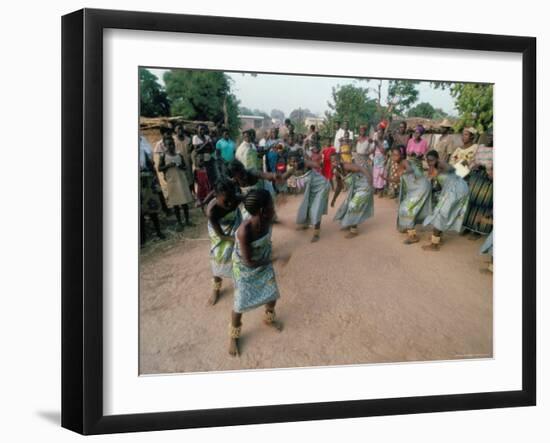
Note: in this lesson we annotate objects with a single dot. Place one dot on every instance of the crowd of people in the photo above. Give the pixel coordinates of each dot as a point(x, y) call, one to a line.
point(444, 189)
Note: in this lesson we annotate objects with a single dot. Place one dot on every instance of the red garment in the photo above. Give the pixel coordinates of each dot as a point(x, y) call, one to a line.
point(280, 167)
point(203, 185)
point(327, 168)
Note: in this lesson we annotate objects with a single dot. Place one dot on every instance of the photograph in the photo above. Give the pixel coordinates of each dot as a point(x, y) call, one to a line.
point(294, 221)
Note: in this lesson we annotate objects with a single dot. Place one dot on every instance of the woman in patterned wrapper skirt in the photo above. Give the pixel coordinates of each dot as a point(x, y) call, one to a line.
point(253, 272)
point(448, 214)
point(224, 218)
point(359, 203)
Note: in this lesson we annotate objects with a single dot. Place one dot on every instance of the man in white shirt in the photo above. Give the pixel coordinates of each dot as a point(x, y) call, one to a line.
point(340, 135)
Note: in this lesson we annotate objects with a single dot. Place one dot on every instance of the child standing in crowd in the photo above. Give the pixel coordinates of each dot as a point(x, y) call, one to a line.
point(345, 148)
point(393, 171)
point(281, 167)
point(203, 184)
point(379, 162)
point(224, 218)
point(326, 153)
point(172, 166)
point(253, 272)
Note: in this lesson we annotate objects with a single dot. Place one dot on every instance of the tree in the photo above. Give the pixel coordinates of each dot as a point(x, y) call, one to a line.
point(153, 100)
point(424, 109)
point(203, 95)
point(243, 110)
point(298, 117)
point(349, 102)
point(474, 102)
point(400, 96)
point(278, 114)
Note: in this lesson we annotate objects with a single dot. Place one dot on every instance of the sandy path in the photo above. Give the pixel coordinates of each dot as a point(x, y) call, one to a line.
point(367, 300)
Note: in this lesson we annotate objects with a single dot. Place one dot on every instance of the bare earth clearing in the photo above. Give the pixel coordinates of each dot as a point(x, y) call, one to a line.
point(366, 300)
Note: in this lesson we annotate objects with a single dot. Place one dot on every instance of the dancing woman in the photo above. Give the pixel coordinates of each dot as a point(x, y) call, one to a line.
point(359, 203)
point(224, 218)
point(414, 198)
point(448, 214)
point(253, 272)
point(316, 189)
point(249, 180)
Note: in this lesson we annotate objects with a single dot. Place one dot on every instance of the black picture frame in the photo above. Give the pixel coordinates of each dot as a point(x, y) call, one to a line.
point(82, 220)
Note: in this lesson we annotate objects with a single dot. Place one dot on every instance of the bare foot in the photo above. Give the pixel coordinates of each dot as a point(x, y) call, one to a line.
point(431, 247)
point(234, 347)
point(213, 299)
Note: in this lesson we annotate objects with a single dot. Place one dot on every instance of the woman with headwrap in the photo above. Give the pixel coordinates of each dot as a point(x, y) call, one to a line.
point(316, 189)
point(417, 145)
point(449, 212)
point(359, 203)
point(414, 198)
point(463, 157)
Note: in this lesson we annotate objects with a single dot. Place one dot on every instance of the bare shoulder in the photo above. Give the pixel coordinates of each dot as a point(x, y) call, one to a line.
point(211, 209)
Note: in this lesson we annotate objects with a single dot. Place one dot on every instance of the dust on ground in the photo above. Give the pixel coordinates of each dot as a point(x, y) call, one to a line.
point(370, 299)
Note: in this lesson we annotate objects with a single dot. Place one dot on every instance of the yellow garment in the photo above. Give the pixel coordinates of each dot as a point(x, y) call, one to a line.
point(345, 153)
point(462, 154)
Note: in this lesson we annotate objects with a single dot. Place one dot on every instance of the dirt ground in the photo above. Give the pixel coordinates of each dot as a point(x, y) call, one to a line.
point(366, 300)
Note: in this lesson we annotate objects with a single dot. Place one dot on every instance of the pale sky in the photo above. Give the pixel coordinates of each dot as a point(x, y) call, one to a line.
point(289, 92)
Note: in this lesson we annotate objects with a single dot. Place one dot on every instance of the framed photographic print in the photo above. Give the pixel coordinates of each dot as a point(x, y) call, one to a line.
point(270, 221)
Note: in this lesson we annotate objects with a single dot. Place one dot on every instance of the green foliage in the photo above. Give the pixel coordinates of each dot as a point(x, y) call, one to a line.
point(277, 113)
point(298, 117)
point(243, 110)
point(349, 102)
point(474, 102)
point(203, 95)
point(402, 94)
point(426, 110)
point(153, 100)
point(475, 105)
